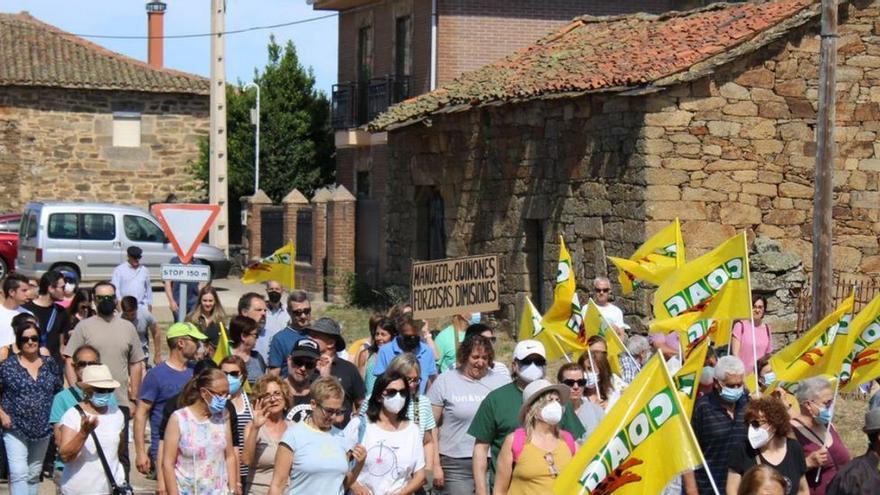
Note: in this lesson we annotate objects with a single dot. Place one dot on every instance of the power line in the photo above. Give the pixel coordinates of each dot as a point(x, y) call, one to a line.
point(204, 35)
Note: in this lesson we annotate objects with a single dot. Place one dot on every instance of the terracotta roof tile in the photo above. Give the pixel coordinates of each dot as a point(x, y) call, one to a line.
point(608, 53)
point(33, 53)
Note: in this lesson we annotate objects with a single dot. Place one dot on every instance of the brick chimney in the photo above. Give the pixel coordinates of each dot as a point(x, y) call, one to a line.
point(155, 31)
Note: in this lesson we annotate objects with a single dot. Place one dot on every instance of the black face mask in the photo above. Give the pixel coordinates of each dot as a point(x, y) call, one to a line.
point(408, 343)
point(106, 308)
point(274, 297)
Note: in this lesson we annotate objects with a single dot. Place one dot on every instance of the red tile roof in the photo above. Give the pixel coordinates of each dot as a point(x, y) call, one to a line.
point(610, 54)
point(33, 53)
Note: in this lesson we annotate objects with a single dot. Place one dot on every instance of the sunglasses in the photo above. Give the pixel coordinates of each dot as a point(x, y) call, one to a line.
point(306, 363)
point(236, 374)
point(535, 361)
point(755, 423)
point(415, 380)
point(391, 392)
point(103, 390)
point(554, 471)
point(571, 383)
point(105, 298)
point(301, 312)
point(83, 364)
point(602, 291)
point(30, 338)
point(331, 412)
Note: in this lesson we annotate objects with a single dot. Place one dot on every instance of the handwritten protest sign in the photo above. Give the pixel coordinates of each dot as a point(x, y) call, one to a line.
point(455, 286)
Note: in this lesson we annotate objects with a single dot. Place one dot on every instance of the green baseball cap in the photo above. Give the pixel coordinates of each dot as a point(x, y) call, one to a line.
point(185, 329)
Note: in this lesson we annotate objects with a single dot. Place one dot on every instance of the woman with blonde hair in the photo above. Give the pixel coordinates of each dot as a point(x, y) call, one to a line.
point(265, 432)
point(208, 314)
point(532, 457)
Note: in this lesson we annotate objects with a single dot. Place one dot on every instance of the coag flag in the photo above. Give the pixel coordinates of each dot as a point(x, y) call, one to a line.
point(530, 327)
point(702, 321)
point(564, 293)
point(560, 327)
point(279, 267)
point(687, 378)
point(595, 324)
point(862, 360)
point(654, 260)
point(820, 351)
point(699, 281)
point(641, 444)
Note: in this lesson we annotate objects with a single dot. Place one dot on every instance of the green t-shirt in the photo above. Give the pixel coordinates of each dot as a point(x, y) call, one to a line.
point(498, 416)
point(445, 342)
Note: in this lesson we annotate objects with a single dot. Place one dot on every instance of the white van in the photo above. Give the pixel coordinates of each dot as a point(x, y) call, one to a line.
point(90, 239)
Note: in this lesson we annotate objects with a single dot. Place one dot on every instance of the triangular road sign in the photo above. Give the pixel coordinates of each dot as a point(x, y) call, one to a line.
point(185, 224)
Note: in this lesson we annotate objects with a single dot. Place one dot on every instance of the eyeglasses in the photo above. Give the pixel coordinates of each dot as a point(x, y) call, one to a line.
point(273, 395)
point(301, 312)
point(30, 338)
point(391, 392)
point(571, 383)
point(413, 381)
point(530, 361)
point(331, 412)
point(602, 291)
point(83, 364)
point(306, 363)
point(236, 374)
point(554, 471)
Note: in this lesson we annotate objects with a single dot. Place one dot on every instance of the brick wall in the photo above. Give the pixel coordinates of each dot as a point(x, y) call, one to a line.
point(56, 144)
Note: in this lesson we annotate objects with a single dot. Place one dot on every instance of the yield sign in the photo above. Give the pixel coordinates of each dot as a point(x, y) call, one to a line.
point(185, 224)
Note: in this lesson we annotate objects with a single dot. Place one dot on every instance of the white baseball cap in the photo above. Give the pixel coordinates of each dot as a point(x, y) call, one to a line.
point(526, 348)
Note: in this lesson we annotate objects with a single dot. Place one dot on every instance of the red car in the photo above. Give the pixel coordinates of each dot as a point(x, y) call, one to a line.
point(8, 242)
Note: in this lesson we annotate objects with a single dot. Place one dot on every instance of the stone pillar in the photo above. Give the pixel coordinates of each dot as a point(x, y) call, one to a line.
point(341, 234)
point(319, 238)
point(254, 230)
point(293, 203)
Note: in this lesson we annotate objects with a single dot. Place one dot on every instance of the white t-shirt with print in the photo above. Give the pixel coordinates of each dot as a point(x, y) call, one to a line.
point(84, 475)
point(392, 456)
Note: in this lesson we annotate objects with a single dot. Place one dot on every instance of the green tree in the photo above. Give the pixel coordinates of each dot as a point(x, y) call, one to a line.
point(296, 142)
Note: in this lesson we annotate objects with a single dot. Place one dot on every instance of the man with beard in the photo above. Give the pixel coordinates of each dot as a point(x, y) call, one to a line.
point(408, 340)
point(120, 348)
point(302, 363)
point(162, 382)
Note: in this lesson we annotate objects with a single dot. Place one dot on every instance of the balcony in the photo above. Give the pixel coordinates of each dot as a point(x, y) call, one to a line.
point(356, 103)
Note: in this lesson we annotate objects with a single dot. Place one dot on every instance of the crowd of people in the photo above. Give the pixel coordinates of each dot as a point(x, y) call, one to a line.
point(291, 408)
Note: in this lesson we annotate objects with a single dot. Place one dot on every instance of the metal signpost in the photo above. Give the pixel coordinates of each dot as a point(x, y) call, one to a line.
point(185, 273)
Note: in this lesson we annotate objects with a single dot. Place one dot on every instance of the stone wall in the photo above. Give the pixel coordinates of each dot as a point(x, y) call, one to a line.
point(56, 144)
point(732, 151)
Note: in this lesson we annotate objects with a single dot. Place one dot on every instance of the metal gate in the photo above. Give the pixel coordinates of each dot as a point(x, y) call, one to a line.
point(865, 291)
point(271, 229)
point(366, 243)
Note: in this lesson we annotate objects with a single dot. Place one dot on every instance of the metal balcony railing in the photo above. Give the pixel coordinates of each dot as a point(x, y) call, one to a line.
point(356, 103)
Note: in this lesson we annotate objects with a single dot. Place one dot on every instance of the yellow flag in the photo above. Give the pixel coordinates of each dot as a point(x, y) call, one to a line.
point(702, 321)
point(820, 351)
point(687, 378)
point(530, 327)
point(643, 442)
point(279, 267)
point(700, 280)
point(224, 350)
point(862, 361)
point(654, 260)
point(595, 324)
point(564, 293)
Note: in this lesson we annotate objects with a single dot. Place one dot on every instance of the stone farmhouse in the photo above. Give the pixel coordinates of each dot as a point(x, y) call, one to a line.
point(79, 122)
point(609, 128)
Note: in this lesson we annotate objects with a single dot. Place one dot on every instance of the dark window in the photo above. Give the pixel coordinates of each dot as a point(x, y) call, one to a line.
point(140, 229)
point(31, 226)
point(534, 251)
point(304, 236)
point(402, 45)
point(430, 225)
point(365, 53)
point(63, 226)
point(97, 227)
point(363, 184)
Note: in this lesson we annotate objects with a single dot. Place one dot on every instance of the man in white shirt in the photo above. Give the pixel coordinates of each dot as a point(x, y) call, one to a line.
point(612, 314)
point(133, 279)
point(15, 292)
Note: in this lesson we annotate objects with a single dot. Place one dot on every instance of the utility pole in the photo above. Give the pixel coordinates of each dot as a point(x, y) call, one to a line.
point(255, 120)
point(218, 187)
point(822, 201)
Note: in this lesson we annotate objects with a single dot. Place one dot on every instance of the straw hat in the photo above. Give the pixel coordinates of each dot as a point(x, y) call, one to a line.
point(98, 376)
point(538, 388)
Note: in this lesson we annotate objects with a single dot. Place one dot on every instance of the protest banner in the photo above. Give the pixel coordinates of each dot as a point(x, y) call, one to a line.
point(455, 286)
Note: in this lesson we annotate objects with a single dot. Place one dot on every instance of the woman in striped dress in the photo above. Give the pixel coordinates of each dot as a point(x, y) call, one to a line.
point(236, 374)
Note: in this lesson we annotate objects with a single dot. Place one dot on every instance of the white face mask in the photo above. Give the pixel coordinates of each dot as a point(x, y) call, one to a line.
point(69, 287)
point(758, 437)
point(592, 379)
point(394, 404)
point(552, 413)
point(531, 373)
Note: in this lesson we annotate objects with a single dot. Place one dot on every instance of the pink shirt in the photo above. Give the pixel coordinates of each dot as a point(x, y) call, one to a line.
point(742, 331)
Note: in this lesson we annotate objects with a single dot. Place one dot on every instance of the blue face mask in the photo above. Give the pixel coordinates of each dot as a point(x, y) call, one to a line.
point(234, 384)
point(769, 378)
point(824, 416)
point(101, 399)
point(729, 394)
point(217, 404)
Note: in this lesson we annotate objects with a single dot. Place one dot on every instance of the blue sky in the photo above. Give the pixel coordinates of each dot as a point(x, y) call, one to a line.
point(316, 42)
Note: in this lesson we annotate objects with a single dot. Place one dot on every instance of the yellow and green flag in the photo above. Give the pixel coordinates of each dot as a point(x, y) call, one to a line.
point(820, 351)
point(561, 325)
point(643, 442)
point(279, 266)
point(702, 321)
point(560, 311)
point(530, 327)
point(861, 362)
point(595, 324)
point(654, 260)
point(699, 281)
point(687, 378)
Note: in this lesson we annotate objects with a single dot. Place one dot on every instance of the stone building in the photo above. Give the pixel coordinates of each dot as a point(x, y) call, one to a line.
point(79, 122)
point(391, 50)
point(608, 129)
